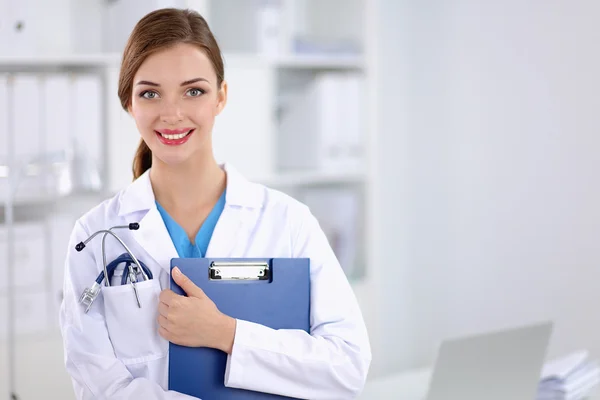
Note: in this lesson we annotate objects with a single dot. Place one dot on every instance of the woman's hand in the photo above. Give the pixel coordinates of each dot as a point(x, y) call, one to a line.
point(193, 321)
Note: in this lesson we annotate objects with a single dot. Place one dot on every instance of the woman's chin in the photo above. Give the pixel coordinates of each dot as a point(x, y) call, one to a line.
point(173, 160)
point(174, 156)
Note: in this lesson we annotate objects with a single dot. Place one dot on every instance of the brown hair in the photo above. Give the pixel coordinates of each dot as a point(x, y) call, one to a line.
point(156, 31)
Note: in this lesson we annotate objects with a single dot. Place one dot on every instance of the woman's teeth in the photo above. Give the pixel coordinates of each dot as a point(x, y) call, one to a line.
point(175, 137)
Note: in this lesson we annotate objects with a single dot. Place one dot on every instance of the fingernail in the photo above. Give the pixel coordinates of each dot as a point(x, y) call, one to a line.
point(176, 271)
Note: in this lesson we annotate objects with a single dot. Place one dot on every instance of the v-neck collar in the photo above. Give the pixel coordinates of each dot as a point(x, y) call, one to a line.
point(185, 248)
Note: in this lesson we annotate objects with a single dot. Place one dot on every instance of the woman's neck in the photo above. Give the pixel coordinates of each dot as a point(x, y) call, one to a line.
point(187, 187)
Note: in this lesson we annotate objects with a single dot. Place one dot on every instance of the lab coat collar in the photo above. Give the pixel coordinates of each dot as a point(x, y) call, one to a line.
point(139, 196)
point(240, 191)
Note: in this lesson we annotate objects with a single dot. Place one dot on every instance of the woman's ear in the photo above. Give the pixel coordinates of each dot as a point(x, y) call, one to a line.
point(222, 97)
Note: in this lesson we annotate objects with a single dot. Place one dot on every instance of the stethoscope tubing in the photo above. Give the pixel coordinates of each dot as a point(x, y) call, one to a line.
point(80, 246)
point(112, 266)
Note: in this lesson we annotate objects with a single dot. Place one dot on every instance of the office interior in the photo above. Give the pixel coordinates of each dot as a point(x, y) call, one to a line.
point(449, 149)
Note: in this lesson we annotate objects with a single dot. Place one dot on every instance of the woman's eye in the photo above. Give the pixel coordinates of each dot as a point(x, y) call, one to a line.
point(149, 94)
point(195, 92)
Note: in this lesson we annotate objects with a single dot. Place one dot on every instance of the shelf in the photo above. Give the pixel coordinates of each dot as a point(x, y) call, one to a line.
point(320, 62)
point(299, 61)
point(43, 206)
point(289, 179)
point(75, 60)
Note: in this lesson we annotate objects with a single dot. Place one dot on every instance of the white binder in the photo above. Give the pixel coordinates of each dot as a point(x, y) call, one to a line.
point(87, 117)
point(58, 113)
point(27, 136)
point(5, 138)
point(312, 125)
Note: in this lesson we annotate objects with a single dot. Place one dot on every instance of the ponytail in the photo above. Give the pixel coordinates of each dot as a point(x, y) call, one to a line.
point(142, 160)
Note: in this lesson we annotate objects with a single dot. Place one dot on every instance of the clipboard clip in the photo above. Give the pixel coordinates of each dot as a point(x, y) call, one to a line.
point(241, 270)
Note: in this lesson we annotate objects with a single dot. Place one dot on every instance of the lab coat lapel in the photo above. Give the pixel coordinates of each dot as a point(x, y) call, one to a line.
point(229, 235)
point(154, 238)
point(243, 202)
point(152, 235)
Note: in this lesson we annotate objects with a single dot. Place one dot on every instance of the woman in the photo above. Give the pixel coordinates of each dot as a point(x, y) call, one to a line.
point(172, 84)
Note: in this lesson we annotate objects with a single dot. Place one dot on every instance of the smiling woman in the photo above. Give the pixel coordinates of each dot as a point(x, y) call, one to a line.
point(172, 84)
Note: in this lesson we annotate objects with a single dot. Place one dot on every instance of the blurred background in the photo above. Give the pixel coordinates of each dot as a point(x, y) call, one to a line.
point(449, 148)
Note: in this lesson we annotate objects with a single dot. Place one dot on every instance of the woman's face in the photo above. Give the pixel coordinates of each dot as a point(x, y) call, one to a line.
point(175, 101)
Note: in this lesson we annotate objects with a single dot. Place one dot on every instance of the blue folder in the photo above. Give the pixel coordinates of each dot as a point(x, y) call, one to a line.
point(279, 299)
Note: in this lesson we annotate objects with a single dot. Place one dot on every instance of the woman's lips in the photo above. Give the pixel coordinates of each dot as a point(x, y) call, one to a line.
point(174, 137)
point(174, 131)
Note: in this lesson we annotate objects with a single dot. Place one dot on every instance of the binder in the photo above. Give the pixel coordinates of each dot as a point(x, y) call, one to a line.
point(274, 292)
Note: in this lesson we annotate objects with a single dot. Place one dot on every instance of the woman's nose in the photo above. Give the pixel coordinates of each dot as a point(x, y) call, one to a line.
point(171, 112)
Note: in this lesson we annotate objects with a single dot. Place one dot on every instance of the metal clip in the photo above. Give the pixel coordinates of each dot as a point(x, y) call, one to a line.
point(133, 280)
point(220, 270)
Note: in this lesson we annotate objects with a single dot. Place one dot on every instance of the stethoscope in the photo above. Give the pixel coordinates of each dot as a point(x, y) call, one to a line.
point(89, 294)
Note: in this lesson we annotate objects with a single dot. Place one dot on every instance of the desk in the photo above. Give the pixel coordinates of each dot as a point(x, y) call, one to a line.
point(411, 385)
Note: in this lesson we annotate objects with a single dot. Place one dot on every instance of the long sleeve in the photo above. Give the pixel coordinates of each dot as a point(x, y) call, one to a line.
point(90, 356)
point(332, 361)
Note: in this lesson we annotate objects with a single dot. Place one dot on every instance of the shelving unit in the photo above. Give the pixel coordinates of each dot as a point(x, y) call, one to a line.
point(28, 309)
point(278, 74)
point(283, 71)
point(262, 85)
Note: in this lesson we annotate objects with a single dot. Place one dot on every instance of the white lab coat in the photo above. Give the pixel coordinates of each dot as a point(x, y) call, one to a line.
point(115, 351)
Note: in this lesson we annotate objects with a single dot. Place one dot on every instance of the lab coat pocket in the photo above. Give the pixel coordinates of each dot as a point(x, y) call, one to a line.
point(133, 331)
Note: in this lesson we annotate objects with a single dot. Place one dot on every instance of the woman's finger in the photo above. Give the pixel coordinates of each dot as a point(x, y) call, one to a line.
point(163, 310)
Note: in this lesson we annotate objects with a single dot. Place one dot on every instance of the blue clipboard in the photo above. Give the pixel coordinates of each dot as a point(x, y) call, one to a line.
point(274, 292)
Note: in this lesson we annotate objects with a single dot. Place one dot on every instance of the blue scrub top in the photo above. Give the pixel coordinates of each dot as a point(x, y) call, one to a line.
point(182, 243)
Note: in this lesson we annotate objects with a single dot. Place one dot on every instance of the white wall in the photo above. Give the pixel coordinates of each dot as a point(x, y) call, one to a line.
point(489, 171)
point(390, 308)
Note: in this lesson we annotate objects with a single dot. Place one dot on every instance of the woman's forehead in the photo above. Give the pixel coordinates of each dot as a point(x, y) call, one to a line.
point(175, 65)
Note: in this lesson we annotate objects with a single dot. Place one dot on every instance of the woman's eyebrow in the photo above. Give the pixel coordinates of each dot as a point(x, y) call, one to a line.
point(188, 82)
point(147, 83)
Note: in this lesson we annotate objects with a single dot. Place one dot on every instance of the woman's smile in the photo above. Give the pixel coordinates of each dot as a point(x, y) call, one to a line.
point(174, 137)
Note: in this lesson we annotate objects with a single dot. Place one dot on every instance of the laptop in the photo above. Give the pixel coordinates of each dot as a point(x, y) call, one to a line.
point(501, 365)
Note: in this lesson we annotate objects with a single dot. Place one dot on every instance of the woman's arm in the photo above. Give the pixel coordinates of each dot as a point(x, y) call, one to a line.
point(90, 356)
point(329, 363)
